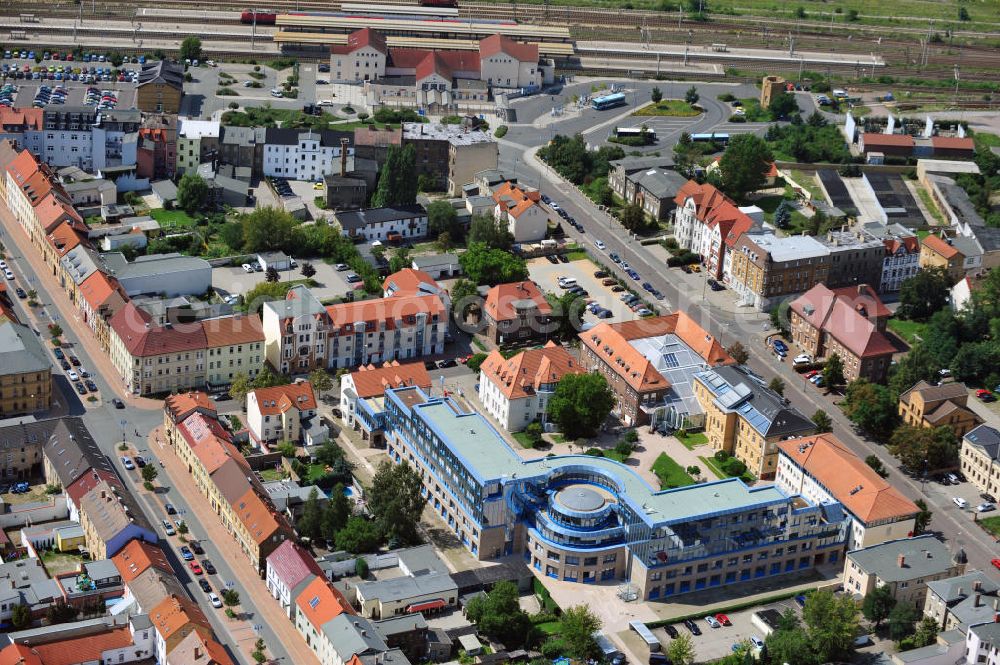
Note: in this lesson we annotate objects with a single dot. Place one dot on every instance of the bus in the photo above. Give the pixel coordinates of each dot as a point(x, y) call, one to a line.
point(608, 101)
point(714, 138)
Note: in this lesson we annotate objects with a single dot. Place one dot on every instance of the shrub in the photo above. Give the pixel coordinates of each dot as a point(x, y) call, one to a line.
point(727, 97)
point(721, 456)
point(594, 452)
point(361, 568)
point(500, 131)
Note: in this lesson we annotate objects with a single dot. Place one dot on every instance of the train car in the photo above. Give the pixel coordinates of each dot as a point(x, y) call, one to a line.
point(262, 18)
point(439, 3)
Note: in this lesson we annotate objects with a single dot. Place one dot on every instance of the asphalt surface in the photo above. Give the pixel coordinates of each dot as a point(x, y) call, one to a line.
point(730, 324)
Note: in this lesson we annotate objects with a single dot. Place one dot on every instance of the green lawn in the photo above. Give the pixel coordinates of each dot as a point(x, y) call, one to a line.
point(670, 473)
point(808, 182)
point(991, 524)
point(928, 202)
point(985, 140)
point(754, 112)
point(524, 439)
point(922, 233)
point(270, 475)
point(266, 116)
point(172, 218)
point(577, 255)
point(355, 124)
point(692, 441)
point(910, 331)
point(549, 627)
point(677, 108)
point(710, 462)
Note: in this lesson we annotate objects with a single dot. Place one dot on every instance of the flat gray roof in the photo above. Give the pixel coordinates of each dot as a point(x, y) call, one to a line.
point(922, 556)
point(20, 350)
point(406, 587)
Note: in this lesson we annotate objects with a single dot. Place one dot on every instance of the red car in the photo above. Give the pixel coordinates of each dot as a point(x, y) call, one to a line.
point(810, 374)
point(195, 568)
point(996, 563)
point(723, 619)
point(984, 395)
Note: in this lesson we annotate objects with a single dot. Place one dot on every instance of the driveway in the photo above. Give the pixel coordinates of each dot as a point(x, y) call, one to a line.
point(330, 284)
point(546, 274)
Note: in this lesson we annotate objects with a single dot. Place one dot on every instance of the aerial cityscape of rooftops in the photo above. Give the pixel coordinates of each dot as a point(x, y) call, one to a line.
point(446, 331)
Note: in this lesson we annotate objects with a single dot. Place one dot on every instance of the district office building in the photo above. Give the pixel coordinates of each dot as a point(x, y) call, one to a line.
point(587, 519)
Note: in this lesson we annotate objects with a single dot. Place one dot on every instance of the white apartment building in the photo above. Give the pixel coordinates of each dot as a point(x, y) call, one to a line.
point(276, 414)
point(361, 59)
point(195, 139)
point(295, 332)
point(821, 469)
point(298, 155)
point(516, 391)
point(982, 644)
point(406, 222)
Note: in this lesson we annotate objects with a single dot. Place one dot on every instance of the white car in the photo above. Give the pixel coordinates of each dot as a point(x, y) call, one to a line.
point(960, 502)
point(3, 265)
point(127, 463)
point(247, 267)
point(756, 642)
point(802, 359)
point(8, 274)
point(325, 102)
point(73, 376)
point(600, 245)
point(247, 84)
point(212, 598)
point(275, 92)
point(712, 621)
point(341, 267)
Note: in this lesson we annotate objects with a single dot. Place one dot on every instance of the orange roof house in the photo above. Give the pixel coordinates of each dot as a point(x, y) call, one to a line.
point(137, 557)
point(504, 302)
point(822, 464)
point(386, 311)
point(370, 381)
point(940, 247)
point(196, 649)
point(526, 373)
point(174, 618)
point(409, 282)
point(513, 200)
point(279, 399)
point(319, 602)
point(182, 405)
point(500, 44)
point(230, 330)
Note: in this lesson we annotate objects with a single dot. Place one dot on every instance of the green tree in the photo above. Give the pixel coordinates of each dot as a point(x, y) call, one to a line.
point(877, 605)
point(580, 404)
point(271, 275)
point(268, 229)
point(783, 106)
point(923, 518)
point(231, 597)
point(926, 632)
point(359, 536)
point(876, 464)
point(397, 184)
point(443, 218)
point(686, 153)
point(487, 265)
point(822, 421)
point(192, 193)
point(902, 620)
point(791, 646)
point(266, 378)
point(307, 270)
point(783, 215)
point(149, 473)
point(779, 318)
point(963, 14)
point(61, 612)
point(309, 523)
point(400, 260)
point(20, 616)
point(464, 298)
point(262, 292)
point(691, 96)
point(239, 388)
point(476, 361)
point(777, 384)
point(925, 449)
point(656, 95)
point(190, 48)
point(231, 234)
point(833, 371)
point(576, 626)
point(800, 12)
point(920, 364)
point(832, 622)
point(498, 616)
point(923, 294)
point(744, 164)
point(871, 407)
point(568, 308)
point(633, 217)
point(680, 651)
point(534, 432)
point(320, 380)
point(336, 512)
point(490, 232)
point(395, 501)
point(361, 568)
point(738, 352)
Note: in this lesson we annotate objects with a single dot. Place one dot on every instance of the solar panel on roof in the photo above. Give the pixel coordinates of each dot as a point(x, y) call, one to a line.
point(670, 360)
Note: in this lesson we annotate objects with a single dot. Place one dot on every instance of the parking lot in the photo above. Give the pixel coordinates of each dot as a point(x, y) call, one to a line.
point(714, 643)
point(946, 494)
point(235, 280)
point(109, 95)
point(546, 275)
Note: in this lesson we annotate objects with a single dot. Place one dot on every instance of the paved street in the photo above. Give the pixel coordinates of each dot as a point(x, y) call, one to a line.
point(109, 426)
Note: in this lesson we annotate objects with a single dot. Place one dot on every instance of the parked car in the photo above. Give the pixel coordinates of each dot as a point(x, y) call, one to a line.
point(450, 362)
point(20, 293)
point(169, 507)
point(692, 626)
point(712, 621)
point(208, 566)
point(756, 642)
point(802, 359)
point(960, 502)
point(168, 528)
point(195, 568)
point(91, 386)
point(118, 403)
point(214, 600)
point(985, 395)
point(996, 563)
point(985, 507)
point(205, 586)
point(246, 268)
point(671, 631)
point(73, 376)
point(723, 619)
point(186, 553)
point(80, 388)
point(196, 547)
point(600, 245)
point(127, 463)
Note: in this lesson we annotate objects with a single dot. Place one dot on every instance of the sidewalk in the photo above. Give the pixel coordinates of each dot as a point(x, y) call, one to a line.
point(269, 610)
point(49, 290)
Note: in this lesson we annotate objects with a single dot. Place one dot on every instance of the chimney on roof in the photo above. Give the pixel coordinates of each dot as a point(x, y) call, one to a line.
point(977, 585)
point(977, 600)
point(343, 156)
point(901, 561)
point(197, 652)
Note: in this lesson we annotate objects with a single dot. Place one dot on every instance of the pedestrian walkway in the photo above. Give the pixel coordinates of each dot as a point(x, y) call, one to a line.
point(269, 610)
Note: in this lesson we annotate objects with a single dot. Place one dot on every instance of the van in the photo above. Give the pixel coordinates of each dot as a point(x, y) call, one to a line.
point(567, 282)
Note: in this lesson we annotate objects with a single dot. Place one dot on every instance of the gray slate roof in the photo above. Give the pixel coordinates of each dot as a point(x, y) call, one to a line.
point(658, 182)
point(763, 408)
point(956, 588)
point(420, 560)
point(20, 350)
point(353, 635)
point(359, 219)
point(403, 588)
point(988, 632)
point(986, 439)
point(923, 556)
point(66, 442)
point(432, 260)
point(162, 71)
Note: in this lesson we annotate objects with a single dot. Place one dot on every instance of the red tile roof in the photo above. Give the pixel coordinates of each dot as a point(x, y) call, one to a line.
point(233, 330)
point(85, 649)
point(88, 481)
point(174, 618)
point(372, 136)
point(182, 405)
point(23, 167)
point(130, 324)
point(319, 602)
point(209, 442)
point(257, 516)
point(279, 399)
point(514, 200)
point(940, 247)
point(19, 654)
point(407, 282)
point(407, 58)
point(446, 63)
point(846, 315)
point(291, 564)
point(100, 289)
point(137, 557)
point(54, 210)
point(64, 238)
point(610, 342)
point(197, 649)
point(500, 300)
point(522, 375)
point(359, 39)
point(909, 243)
point(896, 140)
point(846, 476)
point(490, 46)
point(13, 119)
point(389, 310)
point(373, 381)
point(953, 143)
